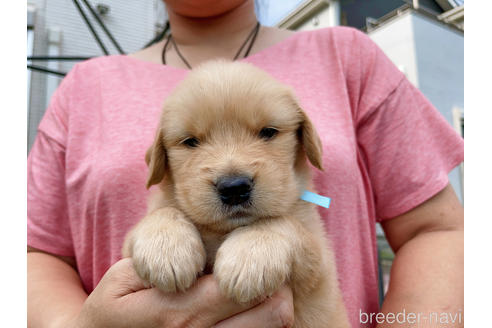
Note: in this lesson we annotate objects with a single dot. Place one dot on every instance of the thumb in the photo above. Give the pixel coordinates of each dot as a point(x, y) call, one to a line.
point(122, 279)
point(206, 299)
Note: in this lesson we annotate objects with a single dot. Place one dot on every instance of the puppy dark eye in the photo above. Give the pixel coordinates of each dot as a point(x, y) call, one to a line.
point(268, 133)
point(191, 142)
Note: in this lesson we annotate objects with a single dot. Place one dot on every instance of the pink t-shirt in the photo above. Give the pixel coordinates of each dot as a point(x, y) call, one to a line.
point(386, 150)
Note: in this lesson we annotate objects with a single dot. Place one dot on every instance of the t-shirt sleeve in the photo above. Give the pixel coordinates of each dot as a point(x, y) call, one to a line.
point(48, 226)
point(406, 145)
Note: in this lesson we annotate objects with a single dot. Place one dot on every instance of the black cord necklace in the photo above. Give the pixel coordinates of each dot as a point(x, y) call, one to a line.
point(251, 36)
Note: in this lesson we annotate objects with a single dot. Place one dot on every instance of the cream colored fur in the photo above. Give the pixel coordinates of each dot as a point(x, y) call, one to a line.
point(254, 250)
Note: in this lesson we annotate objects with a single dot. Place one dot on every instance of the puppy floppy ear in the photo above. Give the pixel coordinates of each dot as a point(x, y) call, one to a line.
point(156, 160)
point(310, 141)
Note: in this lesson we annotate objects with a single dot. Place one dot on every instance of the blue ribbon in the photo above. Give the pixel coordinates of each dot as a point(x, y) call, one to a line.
point(316, 199)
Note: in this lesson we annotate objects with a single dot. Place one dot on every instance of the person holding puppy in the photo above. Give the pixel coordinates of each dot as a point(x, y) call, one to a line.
point(87, 176)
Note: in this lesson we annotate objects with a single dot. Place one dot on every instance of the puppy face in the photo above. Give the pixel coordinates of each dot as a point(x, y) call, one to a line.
point(231, 144)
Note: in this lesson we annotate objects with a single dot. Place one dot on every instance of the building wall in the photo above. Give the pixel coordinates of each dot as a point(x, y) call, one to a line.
point(440, 57)
point(356, 12)
point(132, 23)
point(397, 39)
point(440, 63)
point(431, 54)
point(326, 17)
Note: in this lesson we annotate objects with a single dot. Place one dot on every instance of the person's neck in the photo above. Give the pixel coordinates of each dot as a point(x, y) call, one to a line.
point(225, 31)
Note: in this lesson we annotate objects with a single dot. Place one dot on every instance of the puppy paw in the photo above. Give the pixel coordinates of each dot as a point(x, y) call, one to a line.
point(248, 266)
point(168, 256)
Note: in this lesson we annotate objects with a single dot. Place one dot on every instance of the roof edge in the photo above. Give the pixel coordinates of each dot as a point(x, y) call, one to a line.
point(302, 13)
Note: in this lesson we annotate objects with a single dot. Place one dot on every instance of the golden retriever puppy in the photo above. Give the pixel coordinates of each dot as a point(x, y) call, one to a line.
point(230, 157)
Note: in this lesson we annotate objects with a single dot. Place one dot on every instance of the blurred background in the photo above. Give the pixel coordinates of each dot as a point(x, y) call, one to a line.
point(424, 38)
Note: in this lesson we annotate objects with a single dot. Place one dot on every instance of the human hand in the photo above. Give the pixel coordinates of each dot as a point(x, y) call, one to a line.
point(122, 300)
point(275, 311)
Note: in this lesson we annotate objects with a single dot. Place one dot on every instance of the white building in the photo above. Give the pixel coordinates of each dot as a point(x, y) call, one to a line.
point(312, 14)
point(56, 28)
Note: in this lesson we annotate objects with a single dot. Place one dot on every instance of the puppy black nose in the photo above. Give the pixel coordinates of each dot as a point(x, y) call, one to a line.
point(234, 190)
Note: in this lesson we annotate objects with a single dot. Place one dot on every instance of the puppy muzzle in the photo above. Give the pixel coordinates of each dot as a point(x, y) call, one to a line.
point(234, 190)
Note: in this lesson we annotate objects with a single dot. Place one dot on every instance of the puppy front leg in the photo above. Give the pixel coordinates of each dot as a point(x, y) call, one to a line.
point(255, 260)
point(167, 250)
